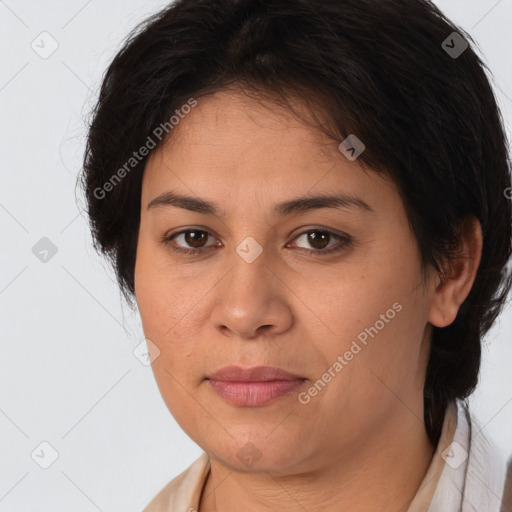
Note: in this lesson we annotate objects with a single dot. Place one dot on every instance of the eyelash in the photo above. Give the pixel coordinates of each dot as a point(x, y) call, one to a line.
point(346, 242)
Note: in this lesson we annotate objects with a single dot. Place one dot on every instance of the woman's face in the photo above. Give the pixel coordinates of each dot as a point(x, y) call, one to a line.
point(349, 320)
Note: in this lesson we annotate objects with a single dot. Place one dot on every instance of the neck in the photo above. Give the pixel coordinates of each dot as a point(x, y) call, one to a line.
point(383, 473)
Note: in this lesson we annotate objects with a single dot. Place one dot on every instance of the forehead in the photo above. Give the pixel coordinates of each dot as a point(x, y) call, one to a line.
point(236, 122)
point(231, 145)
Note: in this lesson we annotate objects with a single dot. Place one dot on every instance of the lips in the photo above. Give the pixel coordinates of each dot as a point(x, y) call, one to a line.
point(255, 374)
point(253, 387)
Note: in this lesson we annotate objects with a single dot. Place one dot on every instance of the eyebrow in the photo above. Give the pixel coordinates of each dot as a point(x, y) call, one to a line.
point(292, 206)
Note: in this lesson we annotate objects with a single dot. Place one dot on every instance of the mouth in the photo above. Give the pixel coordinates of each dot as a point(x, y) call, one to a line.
point(253, 387)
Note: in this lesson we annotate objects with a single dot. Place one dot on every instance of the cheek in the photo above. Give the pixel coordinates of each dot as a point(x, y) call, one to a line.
point(375, 320)
point(160, 299)
point(170, 311)
point(163, 311)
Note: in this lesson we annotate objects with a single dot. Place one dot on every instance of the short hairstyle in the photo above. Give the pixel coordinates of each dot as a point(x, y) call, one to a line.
point(379, 69)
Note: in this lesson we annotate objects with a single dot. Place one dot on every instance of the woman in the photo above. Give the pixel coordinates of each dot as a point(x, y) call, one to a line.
point(308, 202)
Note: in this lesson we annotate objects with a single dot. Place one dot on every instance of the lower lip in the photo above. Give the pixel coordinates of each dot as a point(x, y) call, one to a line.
point(254, 394)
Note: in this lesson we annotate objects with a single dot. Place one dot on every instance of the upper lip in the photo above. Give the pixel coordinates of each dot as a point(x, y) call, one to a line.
point(254, 374)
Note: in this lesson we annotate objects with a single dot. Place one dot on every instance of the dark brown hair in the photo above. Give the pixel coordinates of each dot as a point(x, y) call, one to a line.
point(385, 70)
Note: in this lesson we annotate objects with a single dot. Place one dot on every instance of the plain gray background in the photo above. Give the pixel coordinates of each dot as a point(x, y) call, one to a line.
point(68, 374)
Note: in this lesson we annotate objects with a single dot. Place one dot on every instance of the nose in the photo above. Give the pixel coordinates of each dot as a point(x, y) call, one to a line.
point(252, 300)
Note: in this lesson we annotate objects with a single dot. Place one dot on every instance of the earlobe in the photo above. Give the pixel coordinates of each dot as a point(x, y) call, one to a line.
point(458, 277)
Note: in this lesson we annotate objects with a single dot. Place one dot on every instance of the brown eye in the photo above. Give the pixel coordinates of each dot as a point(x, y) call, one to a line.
point(195, 239)
point(322, 242)
point(189, 241)
point(318, 239)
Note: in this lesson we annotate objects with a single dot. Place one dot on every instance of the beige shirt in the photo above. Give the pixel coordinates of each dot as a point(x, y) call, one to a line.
point(435, 494)
point(423, 498)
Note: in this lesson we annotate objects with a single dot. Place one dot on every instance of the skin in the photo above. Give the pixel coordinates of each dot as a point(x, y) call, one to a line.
point(361, 442)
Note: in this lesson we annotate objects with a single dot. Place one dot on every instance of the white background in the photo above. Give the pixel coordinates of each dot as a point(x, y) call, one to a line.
point(68, 375)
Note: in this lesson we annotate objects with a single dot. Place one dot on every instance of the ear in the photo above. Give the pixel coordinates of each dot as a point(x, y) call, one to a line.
point(458, 277)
